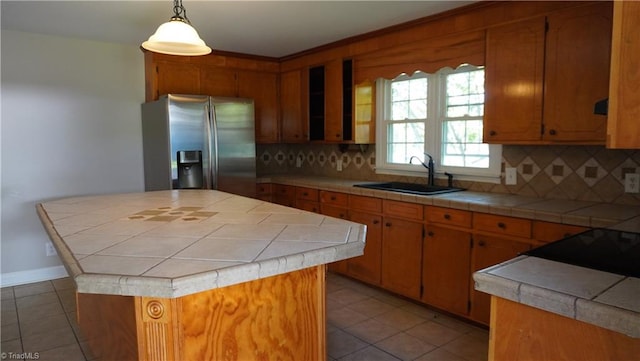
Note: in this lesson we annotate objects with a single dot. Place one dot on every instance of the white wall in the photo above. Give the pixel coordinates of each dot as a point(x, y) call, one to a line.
point(70, 125)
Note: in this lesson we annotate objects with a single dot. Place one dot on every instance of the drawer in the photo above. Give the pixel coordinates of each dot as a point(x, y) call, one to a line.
point(549, 231)
point(309, 194)
point(284, 191)
point(502, 225)
point(405, 210)
point(308, 205)
point(448, 216)
point(333, 211)
point(366, 204)
point(334, 198)
point(264, 188)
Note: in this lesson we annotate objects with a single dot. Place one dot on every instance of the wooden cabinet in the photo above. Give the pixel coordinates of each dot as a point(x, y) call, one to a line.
point(402, 235)
point(335, 204)
point(489, 251)
point(218, 81)
point(514, 80)
point(285, 195)
point(545, 232)
point(294, 122)
point(552, 69)
point(502, 225)
point(176, 78)
point(367, 267)
point(264, 191)
point(307, 199)
point(623, 128)
point(445, 271)
point(577, 73)
point(261, 87)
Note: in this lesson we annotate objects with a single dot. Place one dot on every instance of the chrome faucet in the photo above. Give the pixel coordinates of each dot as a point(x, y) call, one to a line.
point(430, 168)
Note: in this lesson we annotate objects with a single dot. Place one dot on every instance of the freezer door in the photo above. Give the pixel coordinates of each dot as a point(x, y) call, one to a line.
point(189, 120)
point(236, 149)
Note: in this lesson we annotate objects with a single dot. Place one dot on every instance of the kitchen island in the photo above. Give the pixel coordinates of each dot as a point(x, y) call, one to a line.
point(198, 275)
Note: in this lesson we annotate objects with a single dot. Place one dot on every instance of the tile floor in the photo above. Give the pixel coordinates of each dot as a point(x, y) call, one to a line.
point(364, 323)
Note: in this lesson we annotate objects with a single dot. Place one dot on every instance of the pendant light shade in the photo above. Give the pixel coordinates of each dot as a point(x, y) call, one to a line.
point(177, 36)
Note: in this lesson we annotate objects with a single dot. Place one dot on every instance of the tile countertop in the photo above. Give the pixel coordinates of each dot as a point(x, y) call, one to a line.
point(579, 213)
point(175, 243)
point(604, 299)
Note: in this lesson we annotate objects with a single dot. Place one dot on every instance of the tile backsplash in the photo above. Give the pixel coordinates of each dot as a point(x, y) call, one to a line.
point(585, 173)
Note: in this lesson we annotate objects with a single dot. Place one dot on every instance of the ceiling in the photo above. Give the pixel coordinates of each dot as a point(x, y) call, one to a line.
point(266, 28)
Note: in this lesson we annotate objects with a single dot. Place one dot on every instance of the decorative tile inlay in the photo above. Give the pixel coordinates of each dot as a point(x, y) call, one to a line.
point(168, 214)
point(558, 170)
point(311, 158)
point(265, 158)
point(322, 158)
point(281, 158)
point(358, 160)
point(528, 169)
point(591, 172)
point(626, 167)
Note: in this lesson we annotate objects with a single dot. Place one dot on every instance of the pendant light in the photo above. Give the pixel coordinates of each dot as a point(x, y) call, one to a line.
point(177, 36)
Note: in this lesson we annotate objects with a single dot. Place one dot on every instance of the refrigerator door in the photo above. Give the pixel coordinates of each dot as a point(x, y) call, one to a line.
point(234, 127)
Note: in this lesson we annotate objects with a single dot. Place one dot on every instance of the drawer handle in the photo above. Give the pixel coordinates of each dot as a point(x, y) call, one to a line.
point(493, 133)
point(502, 225)
point(481, 243)
point(552, 132)
point(342, 215)
point(305, 194)
point(333, 198)
point(375, 221)
point(430, 234)
point(447, 216)
point(388, 224)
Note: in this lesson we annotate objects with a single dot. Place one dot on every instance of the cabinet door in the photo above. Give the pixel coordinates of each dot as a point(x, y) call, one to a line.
point(177, 78)
point(262, 88)
point(218, 81)
point(546, 232)
point(623, 128)
point(367, 267)
point(513, 82)
point(333, 101)
point(577, 73)
point(285, 195)
point(365, 114)
point(445, 271)
point(402, 256)
point(294, 128)
point(489, 251)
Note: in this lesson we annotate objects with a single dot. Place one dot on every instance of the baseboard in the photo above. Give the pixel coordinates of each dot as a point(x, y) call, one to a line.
point(31, 276)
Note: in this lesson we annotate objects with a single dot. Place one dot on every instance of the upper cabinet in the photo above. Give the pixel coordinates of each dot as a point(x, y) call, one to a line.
point(339, 111)
point(624, 92)
point(294, 122)
point(219, 75)
point(544, 76)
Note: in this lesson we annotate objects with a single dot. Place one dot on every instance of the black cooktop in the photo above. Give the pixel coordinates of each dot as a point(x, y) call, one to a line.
point(601, 249)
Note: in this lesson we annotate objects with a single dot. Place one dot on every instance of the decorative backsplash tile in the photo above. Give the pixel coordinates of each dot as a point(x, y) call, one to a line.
point(585, 173)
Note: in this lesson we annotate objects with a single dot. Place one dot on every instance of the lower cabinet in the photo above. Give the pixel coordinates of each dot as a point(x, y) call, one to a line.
point(445, 271)
point(366, 268)
point(402, 248)
point(489, 251)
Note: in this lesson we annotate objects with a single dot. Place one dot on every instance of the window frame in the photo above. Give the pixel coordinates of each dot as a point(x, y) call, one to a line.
point(434, 123)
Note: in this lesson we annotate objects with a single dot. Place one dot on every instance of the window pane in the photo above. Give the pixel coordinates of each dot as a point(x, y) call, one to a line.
point(465, 94)
point(399, 110)
point(400, 90)
point(418, 109)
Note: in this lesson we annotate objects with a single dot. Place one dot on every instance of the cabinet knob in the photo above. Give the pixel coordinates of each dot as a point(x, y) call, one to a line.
point(338, 136)
point(481, 243)
point(552, 132)
point(342, 215)
point(502, 225)
point(492, 132)
point(430, 234)
point(375, 221)
point(447, 216)
point(388, 224)
point(333, 198)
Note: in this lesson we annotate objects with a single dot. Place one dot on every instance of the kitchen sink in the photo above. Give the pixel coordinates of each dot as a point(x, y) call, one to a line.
point(412, 188)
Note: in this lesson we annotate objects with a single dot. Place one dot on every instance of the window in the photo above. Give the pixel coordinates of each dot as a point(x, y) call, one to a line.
point(439, 114)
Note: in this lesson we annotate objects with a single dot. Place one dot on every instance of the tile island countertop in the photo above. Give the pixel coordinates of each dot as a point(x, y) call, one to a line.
point(175, 243)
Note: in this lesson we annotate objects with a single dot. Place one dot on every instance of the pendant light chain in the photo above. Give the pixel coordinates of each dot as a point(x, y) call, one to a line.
point(179, 11)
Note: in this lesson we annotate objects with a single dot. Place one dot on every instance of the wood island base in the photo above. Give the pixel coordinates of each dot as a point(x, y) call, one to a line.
point(520, 332)
point(275, 318)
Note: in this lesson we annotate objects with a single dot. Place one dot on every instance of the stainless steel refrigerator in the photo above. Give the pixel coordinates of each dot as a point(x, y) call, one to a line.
point(199, 142)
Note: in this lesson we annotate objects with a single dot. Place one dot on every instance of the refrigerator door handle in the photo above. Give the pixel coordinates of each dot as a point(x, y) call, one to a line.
point(213, 147)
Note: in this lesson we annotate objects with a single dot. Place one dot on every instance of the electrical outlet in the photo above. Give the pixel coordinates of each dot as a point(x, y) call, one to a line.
point(299, 161)
point(49, 249)
point(632, 183)
point(510, 176)
point(339, 165)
